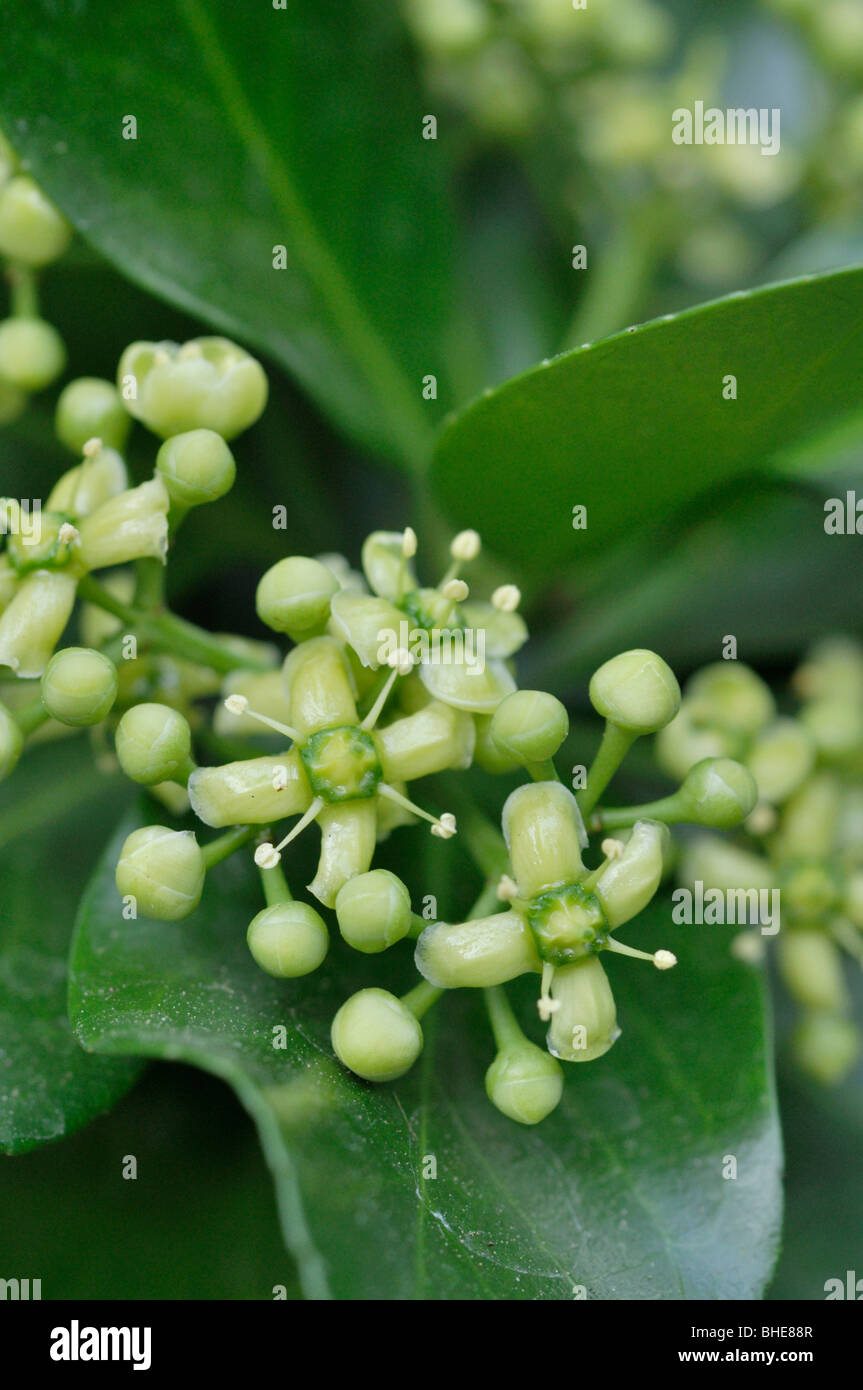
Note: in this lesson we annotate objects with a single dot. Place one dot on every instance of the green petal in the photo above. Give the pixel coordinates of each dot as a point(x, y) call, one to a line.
point(479, 690)
point(366, 623)
point(242, 793)
point(435, 738)
point(505, 633)
point(318, 686)
point(348, 834)
point(625, 888)
point(382, 565)
point(476, 954)
point(543, 830)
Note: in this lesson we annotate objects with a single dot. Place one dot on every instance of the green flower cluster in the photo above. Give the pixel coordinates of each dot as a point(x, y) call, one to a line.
point(806, 827)
point(389, 679)
point(33, 233)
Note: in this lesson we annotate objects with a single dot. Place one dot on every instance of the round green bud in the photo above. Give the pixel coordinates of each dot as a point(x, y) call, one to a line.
point(90, 408)
point(163, 870)
point(79, 686)
point(294, 596)
point(196, 467)
point(376, 1036)
point(11, 742)
point(153, 743)
point(288, 939)
point(374, 911)
point(637, 691)
point(32, 354)
point(811, 967)
point(731, 696)
point(529, 725)
point(826, 1046)
point(718, 792)
point(780, 759)
point(525, 1083)
point(32, 230)
point(836, 727)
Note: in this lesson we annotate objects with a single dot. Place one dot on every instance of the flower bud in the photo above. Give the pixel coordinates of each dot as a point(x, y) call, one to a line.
point(476, 954)
point(196, 467)
point(153, 744)
point(807, 829)
point(32, 231)
point(585, 1024)
point(288, 939)
point(209, 383)
point(486, 753)
point(731, 696)
point(374, 911)
point(780, 759)
point(629, 882)
point(294, 596)
point(637, 691)
point(717, 792)
point(835, 726)
point(32, 624)
point(132, 526)
point(243, 793)
point(544, 833)
point(529, 726)
point(826, 1046)
point(11, 742)
point(163, 870)
point(524, 1082)
point(90, 408)
point(811, 966)
point(432, 740)
point(32, 354)
point(376, 1036)
point(79, 686)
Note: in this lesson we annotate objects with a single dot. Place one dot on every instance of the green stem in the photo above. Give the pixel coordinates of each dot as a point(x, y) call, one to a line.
point(421, 998)
point(24, 292)
point(31, 717)
point(668, 809)
point(417, 926)
point(226, 844)
point(168, 632)
point(504, 1024)
point(544, 771)
point(275, 885)
point(615, 745)
point(149, 584)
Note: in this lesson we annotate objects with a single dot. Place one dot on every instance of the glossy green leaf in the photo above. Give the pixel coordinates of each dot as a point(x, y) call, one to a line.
point(257, 128)
point(54, 817)
point(636, 427)
point(421, 1189)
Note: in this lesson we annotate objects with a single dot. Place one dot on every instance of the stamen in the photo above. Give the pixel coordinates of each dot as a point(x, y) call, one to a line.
point(238, 704)
point(189, 351)
point(663, 960)
point(68, 533)
point(402, 663)
point(444, 827)
point(749, 947)
point(455, 590)
point(507, 888)
point(506, 598)
point(465, 546)
point(92, 447)
point(545, 1005)
point(267, 856)
point(409, 543)
point(612, 849)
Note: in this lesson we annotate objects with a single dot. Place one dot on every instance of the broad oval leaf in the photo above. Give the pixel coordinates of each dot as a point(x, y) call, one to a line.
point(636, 426)
point(256, 128)
point(54, 816)
point(421, 1190)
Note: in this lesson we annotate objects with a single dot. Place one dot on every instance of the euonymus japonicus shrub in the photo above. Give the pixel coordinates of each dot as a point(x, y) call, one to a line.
point(390, 676)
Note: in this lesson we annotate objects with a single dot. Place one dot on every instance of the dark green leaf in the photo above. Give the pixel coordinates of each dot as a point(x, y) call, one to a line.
point(621, 1191)
point(635, 427)
point(257, 127)
point(55, 814)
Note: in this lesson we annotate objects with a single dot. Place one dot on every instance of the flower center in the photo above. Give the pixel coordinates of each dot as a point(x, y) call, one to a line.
point(342, 764)
point(568, 924)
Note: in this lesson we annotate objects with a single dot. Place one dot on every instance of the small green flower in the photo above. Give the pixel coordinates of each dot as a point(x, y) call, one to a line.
point(89, 408)
point(32, 231)
point(635, 691)
point(288, 939)
point(163, 870)
point(153, 744)
point(32, 354)
point(208, 383)
point(79, 686)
